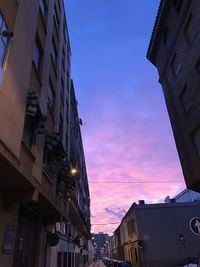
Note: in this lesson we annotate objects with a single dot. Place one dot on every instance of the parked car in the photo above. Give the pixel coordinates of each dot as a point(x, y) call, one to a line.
point(124, 264)
point(115, 263)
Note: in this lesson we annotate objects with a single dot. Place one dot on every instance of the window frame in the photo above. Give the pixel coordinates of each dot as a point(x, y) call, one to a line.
point(51, 100)
point(37, 45)
point(3, 40)
point(43, 7)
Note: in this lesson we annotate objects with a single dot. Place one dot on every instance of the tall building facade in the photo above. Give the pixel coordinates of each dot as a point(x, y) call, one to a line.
point(174, 50)
point(100, 242)
point(44, 194)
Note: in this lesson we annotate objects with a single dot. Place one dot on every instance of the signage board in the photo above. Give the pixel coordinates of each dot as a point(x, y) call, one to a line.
point(195, 225)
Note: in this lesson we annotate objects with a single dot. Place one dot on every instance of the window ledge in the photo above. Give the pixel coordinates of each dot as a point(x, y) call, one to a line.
point(47, 176)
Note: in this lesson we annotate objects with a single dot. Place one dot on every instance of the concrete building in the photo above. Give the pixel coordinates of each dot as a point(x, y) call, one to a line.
point(40, 141)
point(155, 235)
point(174, 50)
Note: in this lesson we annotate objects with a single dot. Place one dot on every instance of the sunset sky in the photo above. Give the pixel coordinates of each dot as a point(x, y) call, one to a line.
point(128, 142)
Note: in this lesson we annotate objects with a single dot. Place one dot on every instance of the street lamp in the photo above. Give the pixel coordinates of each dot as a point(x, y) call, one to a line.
point(73, 171)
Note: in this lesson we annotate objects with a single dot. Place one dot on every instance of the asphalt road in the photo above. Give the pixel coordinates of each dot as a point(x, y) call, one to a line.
point(98, 263)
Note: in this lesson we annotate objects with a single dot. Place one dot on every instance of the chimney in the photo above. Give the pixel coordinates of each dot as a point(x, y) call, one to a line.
point(141, 202)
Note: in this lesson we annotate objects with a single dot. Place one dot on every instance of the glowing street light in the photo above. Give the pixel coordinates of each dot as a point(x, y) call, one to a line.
point(73, 171)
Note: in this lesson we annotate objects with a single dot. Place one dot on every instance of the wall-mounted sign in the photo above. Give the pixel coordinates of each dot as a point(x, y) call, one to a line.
point(8, 239)
point(195, 225)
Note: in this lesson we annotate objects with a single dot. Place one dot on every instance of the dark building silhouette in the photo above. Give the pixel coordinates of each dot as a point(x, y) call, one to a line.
point(174, 50)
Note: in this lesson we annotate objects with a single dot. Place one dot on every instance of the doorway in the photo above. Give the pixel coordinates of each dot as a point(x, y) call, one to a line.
point(26, 238)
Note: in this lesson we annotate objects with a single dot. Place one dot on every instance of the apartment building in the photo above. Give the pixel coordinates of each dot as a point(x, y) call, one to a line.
point(44, 195)
point(174, 50)
point(154, 235)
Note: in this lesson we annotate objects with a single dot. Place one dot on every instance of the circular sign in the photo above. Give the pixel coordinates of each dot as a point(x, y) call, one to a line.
point(195, 225)
point(52, 239)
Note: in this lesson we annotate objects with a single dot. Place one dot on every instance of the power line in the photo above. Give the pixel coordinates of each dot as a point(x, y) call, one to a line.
point(105, 223)
point(134, 182)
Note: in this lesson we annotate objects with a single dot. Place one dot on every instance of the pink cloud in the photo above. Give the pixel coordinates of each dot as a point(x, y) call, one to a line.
point(128, 137)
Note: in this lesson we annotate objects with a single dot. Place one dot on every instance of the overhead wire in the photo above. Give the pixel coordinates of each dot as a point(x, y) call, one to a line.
point(133, 182)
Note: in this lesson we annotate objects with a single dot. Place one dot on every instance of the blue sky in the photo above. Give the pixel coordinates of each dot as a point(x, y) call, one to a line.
point(127, 134)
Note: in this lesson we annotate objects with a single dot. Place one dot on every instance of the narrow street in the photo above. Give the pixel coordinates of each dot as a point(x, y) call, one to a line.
point(98, 263)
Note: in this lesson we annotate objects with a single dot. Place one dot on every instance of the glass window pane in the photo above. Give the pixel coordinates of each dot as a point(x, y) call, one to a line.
point(2, 52)
point(37, 54)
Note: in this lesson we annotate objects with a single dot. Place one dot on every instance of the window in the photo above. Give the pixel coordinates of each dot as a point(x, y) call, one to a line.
point(62, 91)
point(51, 97)
point(43, 7)
point(59, 5)
point(54, 51)
point(29, 130)
point(167, 38)
point(178, 5)
point(186, 99)
point(198, 65)
point(56, 16)
point(63, 58)
point(59, 259)
point(66, 142)
point(196, 139)
point(175, 65)
point(37, 54)
point(61, 126)
point(190, 29)
point(68, 80)
point(3, 41)
point(64, 31)
point(68, 54)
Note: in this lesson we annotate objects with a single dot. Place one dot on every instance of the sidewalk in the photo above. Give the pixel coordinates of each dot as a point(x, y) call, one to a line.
point(98, 263)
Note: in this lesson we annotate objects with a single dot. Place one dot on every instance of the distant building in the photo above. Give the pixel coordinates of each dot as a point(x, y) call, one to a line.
point(157, 235)
point(185, 196)
point(44, 194)
point(100, 242)
point(174, 50)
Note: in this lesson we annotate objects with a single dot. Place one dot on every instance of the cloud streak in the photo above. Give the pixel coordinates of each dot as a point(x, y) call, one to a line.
point(127, 136)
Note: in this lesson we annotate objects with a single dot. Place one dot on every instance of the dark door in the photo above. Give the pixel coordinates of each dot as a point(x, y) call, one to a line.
point(25, 240)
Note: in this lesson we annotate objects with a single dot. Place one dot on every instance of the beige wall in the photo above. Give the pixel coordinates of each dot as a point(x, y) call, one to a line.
point(17, 67)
